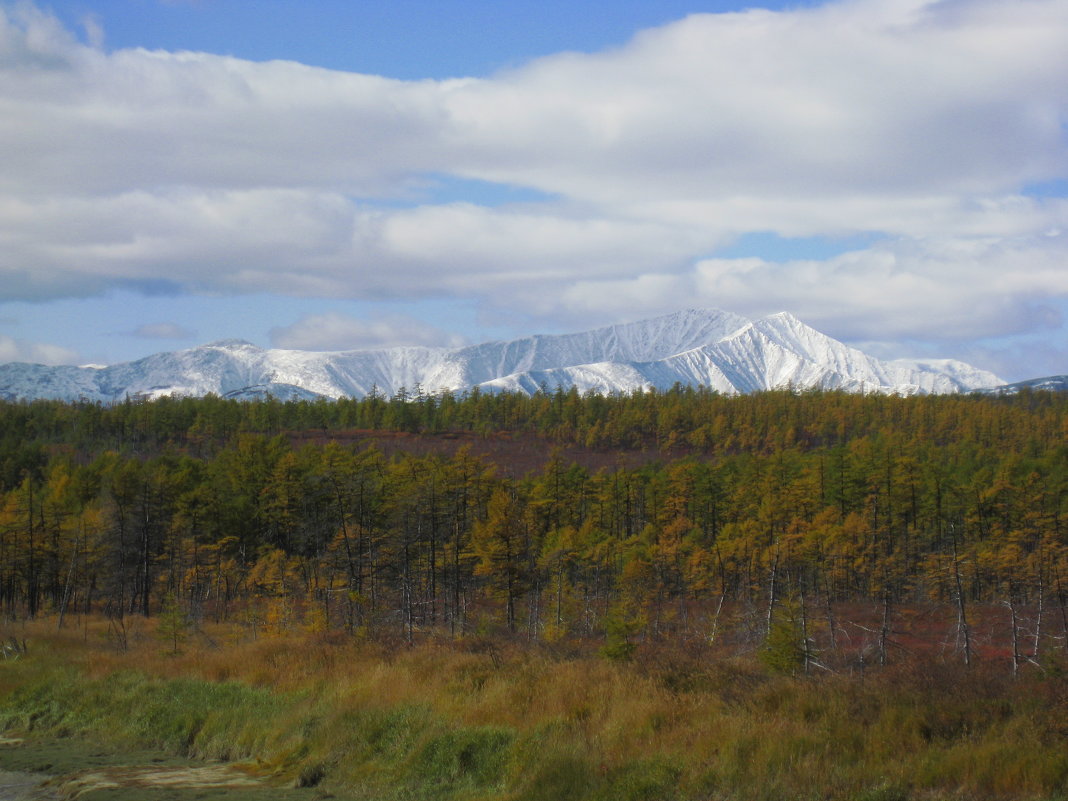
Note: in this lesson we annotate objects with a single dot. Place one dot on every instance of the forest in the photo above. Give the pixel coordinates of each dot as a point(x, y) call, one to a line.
point(817, 529)
point(659, 596)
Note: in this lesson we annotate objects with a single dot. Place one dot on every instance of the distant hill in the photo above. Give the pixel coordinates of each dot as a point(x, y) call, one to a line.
point(1051, 383)
point(710, 347)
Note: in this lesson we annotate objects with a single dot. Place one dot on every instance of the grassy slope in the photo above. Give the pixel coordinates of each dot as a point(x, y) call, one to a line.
point(487, 721)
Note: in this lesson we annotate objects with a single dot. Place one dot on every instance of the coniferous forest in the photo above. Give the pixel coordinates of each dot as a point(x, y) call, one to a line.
point(657, 595)
point(631, 519)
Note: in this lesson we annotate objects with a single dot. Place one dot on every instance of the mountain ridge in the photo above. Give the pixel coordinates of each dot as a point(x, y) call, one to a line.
point(708, 347)
point(1049, 383)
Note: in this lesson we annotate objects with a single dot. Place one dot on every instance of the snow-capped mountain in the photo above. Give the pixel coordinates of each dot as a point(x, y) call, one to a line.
point(710, 348)
point(772, 352)
point(1049, 383)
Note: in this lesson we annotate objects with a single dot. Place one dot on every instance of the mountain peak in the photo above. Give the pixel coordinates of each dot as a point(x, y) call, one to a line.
point(707, 347)
point(229, 344)
point(785, 317)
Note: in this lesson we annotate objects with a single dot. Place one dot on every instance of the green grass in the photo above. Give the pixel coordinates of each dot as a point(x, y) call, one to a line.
point(440, 723)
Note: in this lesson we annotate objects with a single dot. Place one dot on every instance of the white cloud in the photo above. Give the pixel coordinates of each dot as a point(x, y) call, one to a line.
point(827, 104)
point(848, 100)
point(939, 289)
point(316, 244)
point(94, 31)
point(162, 331)
point(18, 350)
point(334, 331)
point(920, 121)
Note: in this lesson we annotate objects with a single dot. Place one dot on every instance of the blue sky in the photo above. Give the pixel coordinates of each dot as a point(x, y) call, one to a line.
point(409, 39)
point(894, 172)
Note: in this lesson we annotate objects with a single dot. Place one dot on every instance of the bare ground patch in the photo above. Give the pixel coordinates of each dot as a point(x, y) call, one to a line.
point(73, 770)
point(213, 777)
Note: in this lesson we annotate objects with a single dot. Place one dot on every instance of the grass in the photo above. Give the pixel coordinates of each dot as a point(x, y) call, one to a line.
point(479, 720)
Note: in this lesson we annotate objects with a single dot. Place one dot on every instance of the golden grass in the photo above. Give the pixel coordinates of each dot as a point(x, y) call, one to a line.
point(481, 719)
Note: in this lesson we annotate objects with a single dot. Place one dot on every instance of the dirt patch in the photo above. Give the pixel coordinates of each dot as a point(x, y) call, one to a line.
point(69, 770)
point(141, 778)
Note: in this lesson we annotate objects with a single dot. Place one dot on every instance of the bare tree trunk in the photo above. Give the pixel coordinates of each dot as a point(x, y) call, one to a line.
point(67, 589)
point(884, 629)
point(534, 611)
point(771, 595)
point(457, 615)
point(408, 612)
point(962, 617)
point(715, 620)
point(1038, 619)
point(1011, 603)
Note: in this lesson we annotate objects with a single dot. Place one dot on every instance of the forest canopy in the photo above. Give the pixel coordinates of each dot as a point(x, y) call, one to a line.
point(621, 519)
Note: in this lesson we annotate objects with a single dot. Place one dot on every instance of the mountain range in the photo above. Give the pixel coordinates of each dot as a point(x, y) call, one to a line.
point(708, 347)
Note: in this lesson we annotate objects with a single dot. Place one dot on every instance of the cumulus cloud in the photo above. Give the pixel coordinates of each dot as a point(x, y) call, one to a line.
point(19, 350)
point(317, 244)
point(335, 331)
point(162, 331)
point(918, 121)
point(841, 101)
point(940, 289)
point(852, 98)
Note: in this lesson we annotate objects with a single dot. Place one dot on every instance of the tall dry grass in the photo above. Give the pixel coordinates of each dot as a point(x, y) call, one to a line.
point(483, 719)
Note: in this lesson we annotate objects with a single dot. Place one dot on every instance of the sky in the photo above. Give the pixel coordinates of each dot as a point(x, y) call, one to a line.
point(329, 175)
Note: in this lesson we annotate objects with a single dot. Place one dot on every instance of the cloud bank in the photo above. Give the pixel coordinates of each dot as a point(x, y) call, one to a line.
point(336, 331)
point(18, 350)
point(162, 331)
point(919, 123)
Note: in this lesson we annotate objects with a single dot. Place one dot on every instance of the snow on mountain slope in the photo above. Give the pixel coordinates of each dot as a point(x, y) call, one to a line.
point(942, 375)
point(642, 341)
point(602, 377)
point(773, 352)
point(828, 363)
point(711, 348)
point(1049, 383)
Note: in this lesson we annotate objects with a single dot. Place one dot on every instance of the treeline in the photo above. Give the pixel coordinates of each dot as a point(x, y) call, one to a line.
point(697, 418)
point(764, 515)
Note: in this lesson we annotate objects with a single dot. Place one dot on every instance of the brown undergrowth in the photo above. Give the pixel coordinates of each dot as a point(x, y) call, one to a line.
point(483, 718)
